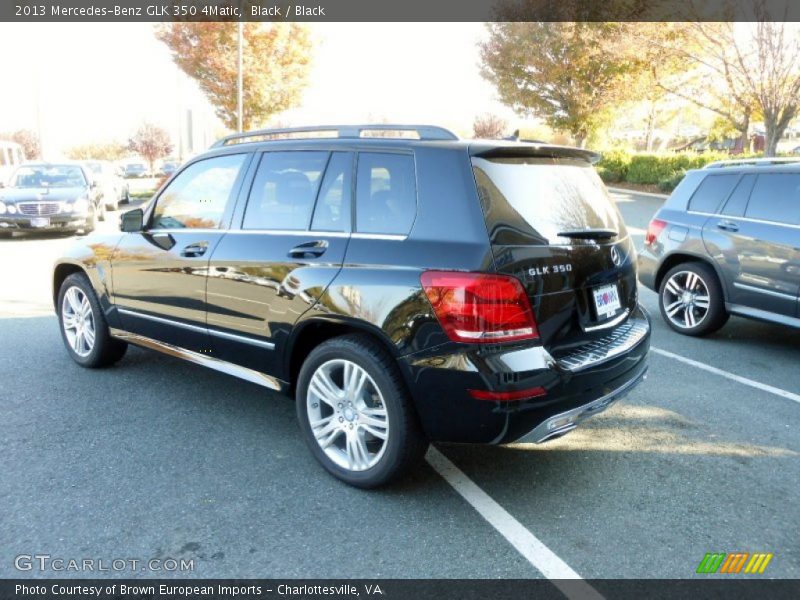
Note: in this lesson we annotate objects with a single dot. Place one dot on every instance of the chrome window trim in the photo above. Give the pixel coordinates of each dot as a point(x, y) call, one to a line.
point(752, 288)
point(733, 217)
point(214, 332)
point(297, 232)
point(200, 359)
point(380, 236)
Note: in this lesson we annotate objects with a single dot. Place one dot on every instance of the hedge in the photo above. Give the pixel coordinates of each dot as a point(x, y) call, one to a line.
point(664, 170)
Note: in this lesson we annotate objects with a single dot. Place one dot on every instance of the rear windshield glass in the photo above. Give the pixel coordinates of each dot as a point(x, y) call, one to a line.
point(529, 200)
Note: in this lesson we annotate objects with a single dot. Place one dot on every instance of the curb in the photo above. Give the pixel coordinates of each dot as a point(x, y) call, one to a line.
point(638, 193)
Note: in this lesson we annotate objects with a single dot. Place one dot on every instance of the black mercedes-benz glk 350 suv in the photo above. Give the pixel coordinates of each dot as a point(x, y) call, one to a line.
point(404, 289)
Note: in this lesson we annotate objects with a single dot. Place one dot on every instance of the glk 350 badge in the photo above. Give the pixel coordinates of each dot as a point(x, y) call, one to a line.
point(549, 270)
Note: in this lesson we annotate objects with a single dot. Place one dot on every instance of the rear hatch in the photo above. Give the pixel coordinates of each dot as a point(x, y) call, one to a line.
point(552, 225)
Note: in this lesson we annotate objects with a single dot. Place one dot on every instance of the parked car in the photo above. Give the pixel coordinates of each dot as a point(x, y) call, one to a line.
point(114, 190)
point(796, 150)
point(169, 167)
point(11, 156)
point(727, 241)
point(135, 170)
point(480, 292)
point(50, 196)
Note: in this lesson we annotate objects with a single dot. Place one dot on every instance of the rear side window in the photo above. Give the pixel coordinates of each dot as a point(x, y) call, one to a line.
point(386, 193)
point(776, 197)
point(332, 211)
point(736, 204)
point(531, 199)
point(711, 192)
point(197, 197)
point(284, 189)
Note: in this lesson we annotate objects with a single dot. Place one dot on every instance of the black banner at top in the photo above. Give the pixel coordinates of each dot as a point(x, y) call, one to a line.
point(397, 10)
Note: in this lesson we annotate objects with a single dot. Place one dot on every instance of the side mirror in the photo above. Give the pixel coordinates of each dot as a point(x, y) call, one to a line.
point(132, 221)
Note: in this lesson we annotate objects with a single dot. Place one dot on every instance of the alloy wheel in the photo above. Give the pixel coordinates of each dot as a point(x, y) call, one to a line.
point(347, 415)
point(77, 319)
point(686, 299)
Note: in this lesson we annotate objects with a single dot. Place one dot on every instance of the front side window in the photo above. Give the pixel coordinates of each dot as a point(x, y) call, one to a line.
point(386, 193)
point(776, 197)
point(284, 189)
point(197, 197)
point(711, 192)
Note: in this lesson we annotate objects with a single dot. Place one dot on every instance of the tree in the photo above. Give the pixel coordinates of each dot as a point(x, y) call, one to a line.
point(98, 151)
point(151, 142)
point(28, 140)
point(755, 70)
point(276, 61)
point(489, 127)
point(569, 73)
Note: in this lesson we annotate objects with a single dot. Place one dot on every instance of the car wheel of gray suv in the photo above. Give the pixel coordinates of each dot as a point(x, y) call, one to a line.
point(355, 413)
point(691, 300)
point(83, 325)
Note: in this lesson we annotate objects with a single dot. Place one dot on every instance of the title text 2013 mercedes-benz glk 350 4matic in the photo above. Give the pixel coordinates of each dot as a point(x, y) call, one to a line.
point(403, 289)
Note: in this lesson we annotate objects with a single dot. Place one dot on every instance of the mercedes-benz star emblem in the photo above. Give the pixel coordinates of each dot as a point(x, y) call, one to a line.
point(616, 258)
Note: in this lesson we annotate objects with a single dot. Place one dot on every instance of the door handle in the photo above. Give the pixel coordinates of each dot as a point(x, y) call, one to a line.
point(728, 226)
point(309, 249)
point(195, 250)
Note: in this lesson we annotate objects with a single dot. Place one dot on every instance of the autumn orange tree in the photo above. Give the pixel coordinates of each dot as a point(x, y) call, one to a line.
point(276, 61)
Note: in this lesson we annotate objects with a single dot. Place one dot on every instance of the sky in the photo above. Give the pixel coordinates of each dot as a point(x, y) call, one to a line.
point(78, 83)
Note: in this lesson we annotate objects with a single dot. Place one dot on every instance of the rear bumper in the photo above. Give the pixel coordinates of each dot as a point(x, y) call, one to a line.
point(584, 382)
point(648, 268)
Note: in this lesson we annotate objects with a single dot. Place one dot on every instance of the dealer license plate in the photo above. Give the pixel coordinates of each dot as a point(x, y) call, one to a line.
point(606, 300)
point(40, 222)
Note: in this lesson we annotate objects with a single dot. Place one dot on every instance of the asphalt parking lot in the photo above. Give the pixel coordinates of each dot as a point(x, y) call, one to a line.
point(156, 458)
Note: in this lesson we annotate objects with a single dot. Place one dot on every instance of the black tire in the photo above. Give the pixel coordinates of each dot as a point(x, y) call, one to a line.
point(687, 320)
point(105, 350)
point(101, 211)
point(126, 197)
point(91, 223)
point(405, 444)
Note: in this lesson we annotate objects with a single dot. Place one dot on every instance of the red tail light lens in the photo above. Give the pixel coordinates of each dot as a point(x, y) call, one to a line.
point(656, 226)
point(480, 307)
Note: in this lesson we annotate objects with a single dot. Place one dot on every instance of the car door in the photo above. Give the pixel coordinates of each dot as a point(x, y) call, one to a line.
point(756, 240)
point(286, 245)
point(159, 274)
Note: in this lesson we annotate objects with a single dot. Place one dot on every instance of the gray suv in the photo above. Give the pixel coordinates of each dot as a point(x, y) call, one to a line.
point(727, 241)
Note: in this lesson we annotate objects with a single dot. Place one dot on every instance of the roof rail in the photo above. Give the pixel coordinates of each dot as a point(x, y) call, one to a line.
point(425, 132)
point(751, 161)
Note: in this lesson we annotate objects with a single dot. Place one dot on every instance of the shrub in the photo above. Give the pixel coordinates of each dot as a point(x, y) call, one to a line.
point(613, 167)
point(670, 183)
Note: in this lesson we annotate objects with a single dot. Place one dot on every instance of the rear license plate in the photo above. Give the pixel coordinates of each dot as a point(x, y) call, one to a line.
point(40, 222)
point(606, 300)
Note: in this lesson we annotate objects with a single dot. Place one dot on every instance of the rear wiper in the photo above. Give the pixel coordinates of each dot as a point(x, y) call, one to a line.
point(589, 234)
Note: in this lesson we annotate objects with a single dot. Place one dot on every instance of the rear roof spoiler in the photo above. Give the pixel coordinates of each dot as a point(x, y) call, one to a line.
point(502, 149)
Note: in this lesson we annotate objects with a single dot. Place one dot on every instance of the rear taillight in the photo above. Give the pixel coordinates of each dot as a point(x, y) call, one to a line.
point(480, 307)
point(656, 227)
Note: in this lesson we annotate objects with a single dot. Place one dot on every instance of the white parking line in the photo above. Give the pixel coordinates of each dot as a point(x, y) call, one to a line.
point(527, 544)
point(732, 376)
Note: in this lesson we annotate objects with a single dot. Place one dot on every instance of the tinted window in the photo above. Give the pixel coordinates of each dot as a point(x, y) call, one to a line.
point(736, 204)
point(530, 199)
point(711, 192)
point(283, 192)
point(776, 197)
point(332, 212)
point(196, 198)
point(386, 193)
